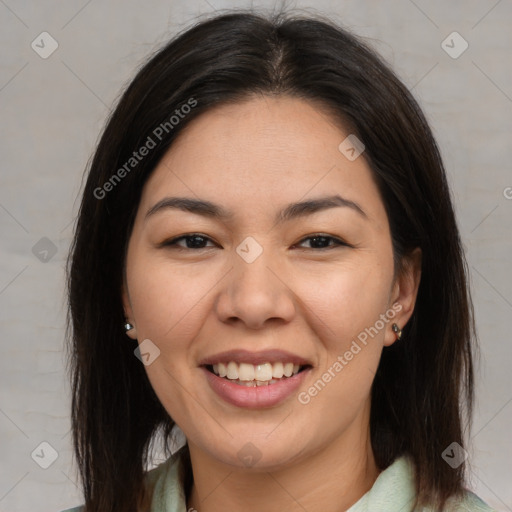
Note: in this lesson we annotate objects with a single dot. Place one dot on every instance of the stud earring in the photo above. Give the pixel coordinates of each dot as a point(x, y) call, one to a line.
point(128, 326)
point(397, 331)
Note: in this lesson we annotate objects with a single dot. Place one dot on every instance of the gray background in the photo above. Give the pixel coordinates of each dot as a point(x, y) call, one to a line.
point(52, 111)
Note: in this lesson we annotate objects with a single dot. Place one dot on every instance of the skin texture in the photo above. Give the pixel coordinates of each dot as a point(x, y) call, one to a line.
point(254, 158)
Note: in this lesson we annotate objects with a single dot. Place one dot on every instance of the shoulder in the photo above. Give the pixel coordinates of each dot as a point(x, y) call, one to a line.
point(164, 485)
point(395, 489)
point(154, 479)
point(161, 470)
point(469, 502)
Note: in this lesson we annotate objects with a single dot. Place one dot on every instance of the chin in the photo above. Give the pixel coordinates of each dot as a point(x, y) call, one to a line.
point(258, 452)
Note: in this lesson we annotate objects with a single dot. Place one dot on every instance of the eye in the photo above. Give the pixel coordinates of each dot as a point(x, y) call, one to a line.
point(320, 241)
point(192, 241)
point(198, 241)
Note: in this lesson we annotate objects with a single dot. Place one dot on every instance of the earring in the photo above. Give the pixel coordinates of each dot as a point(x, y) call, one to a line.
point(128, 326)
point(397, 331)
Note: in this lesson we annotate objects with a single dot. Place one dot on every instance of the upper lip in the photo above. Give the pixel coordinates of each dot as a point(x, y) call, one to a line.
point(255, 358)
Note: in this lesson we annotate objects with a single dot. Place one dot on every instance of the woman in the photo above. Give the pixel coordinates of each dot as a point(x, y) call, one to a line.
point(267, 217)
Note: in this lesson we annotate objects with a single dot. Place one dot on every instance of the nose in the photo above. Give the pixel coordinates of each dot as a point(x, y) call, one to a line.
point(255, 294)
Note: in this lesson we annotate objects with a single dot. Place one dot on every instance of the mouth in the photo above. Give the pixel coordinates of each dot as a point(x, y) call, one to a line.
point(255, 380)
point(250, 375)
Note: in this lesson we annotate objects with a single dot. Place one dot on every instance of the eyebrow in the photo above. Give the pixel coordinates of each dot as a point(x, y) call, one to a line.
point(292, 211)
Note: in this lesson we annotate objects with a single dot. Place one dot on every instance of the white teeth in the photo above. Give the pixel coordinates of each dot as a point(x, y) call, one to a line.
point(232, 372)
point(259, 375)
point(246, 371)
point(277, 370)
point(263, 371)
point(254, 383)
point(223, 371)
point(288, 369)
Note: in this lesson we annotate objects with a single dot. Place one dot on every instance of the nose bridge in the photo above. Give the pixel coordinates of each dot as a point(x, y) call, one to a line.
point(255, 292)
point(254, 278)
point(252, 258)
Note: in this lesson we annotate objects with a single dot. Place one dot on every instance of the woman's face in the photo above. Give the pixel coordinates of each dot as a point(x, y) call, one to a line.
point(290, 267)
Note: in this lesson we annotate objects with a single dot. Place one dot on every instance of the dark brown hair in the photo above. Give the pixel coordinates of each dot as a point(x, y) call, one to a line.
point(424, 383)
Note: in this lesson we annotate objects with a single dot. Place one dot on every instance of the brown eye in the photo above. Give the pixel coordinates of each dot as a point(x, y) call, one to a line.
point(192, 241)
point(320, 241)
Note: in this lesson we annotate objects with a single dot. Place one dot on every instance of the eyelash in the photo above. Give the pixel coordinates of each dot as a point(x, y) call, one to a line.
point(337, 242)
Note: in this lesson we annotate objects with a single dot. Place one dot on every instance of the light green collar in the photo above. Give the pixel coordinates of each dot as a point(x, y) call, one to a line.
point(393, 491)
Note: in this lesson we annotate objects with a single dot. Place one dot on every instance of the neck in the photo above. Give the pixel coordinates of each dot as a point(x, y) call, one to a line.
point(339, 473)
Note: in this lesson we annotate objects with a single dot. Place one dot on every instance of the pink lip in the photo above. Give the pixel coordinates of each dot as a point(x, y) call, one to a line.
point(257, 397)
point(265, 356)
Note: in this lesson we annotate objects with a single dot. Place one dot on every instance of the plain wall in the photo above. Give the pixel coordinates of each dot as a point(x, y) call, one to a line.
point(52, 111)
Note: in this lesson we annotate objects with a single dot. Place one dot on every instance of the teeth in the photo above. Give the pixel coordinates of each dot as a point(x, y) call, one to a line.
point(263, 372)
point(259, 375)
point(223, 371)
point(254, 383)
point(277, 370)
point(246, 371)
point(232, 372)
point(288, 369)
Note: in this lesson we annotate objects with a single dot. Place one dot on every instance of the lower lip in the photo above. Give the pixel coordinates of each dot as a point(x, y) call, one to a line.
point(256, 397)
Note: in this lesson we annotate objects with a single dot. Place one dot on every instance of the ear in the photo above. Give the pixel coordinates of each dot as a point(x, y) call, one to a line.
point(128, 313)
point(404, 293)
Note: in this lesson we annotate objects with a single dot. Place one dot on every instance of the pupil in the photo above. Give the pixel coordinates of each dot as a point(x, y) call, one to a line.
point(196, 242)
point(321, 238)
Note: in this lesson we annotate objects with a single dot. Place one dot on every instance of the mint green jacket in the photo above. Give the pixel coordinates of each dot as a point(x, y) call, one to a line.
point(393, 491)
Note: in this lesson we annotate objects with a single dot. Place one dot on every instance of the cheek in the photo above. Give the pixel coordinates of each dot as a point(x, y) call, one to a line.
point(346, 300)
point(166, 302)
point(165, 299)
point(347, 317)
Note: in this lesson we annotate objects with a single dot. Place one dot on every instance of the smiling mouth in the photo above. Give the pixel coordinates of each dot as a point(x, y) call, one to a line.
point(249, 375)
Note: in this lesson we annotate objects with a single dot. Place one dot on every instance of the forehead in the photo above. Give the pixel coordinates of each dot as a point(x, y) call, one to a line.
point(260, 154)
